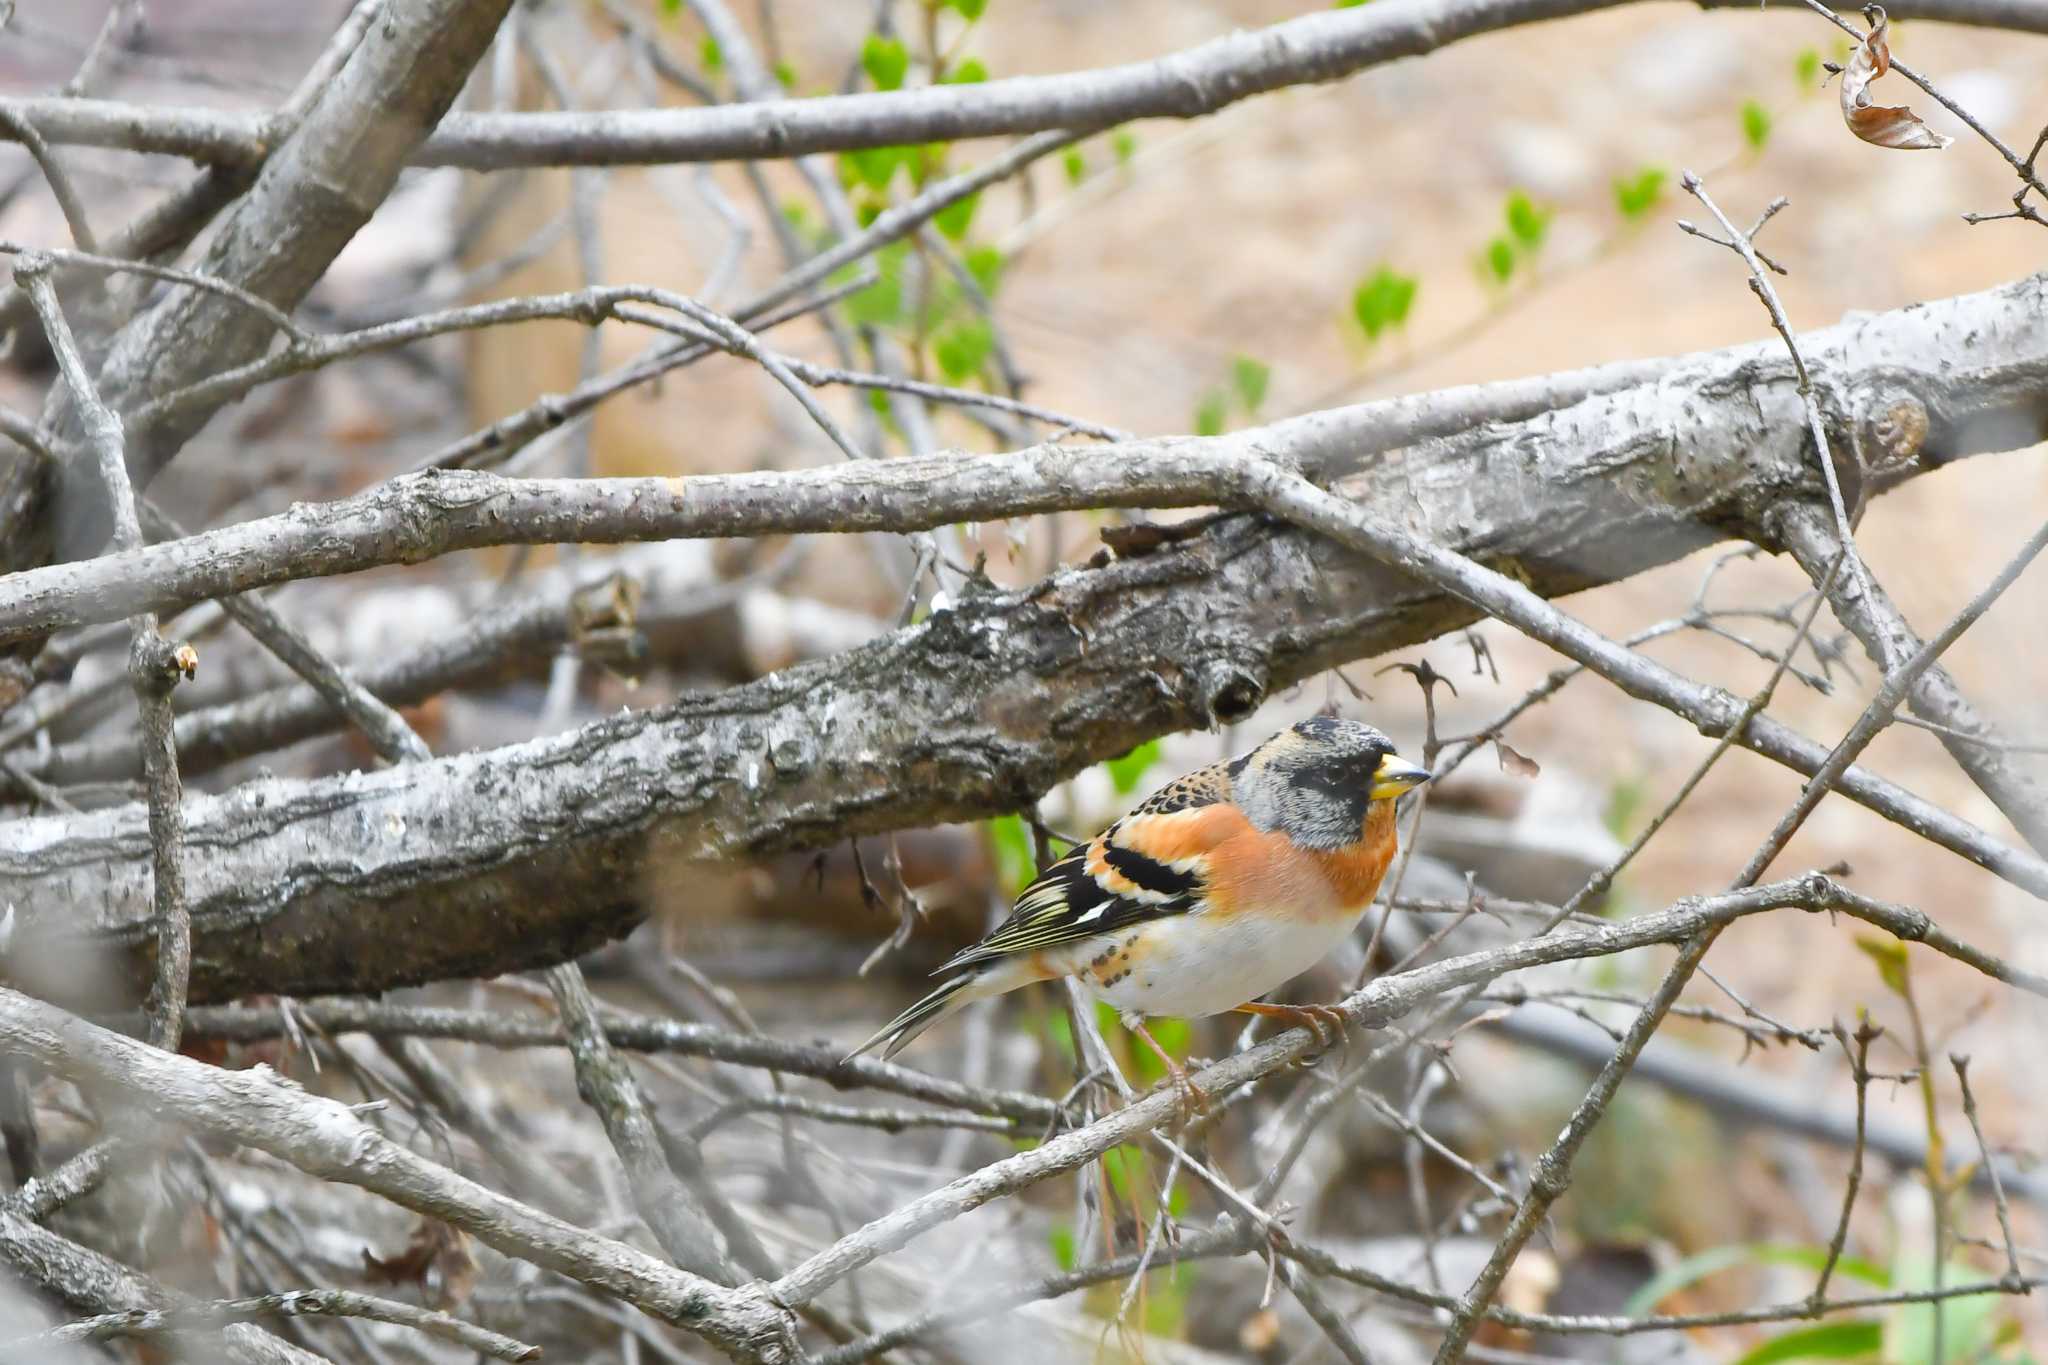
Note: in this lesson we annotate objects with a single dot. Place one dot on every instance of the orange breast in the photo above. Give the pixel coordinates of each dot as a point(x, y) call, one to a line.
point(1354, 873)
point(1271, 872)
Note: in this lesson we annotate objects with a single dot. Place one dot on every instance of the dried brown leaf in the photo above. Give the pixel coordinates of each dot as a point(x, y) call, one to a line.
point(459, 1272)
point(409, 1266)
point(1893, 126)
point(1515, 762)
point(433, 1246)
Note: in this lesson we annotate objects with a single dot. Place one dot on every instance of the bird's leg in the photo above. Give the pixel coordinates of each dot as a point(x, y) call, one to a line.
point(1325, 1021)
point(1193, 1099)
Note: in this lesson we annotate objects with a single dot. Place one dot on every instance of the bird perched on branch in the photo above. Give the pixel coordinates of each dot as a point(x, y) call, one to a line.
point(1223, 885)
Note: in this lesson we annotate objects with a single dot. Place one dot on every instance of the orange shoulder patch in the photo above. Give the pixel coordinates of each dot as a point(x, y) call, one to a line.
point(1169, 837)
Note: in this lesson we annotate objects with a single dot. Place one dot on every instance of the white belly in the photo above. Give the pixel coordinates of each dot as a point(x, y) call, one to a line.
point(1199, 964)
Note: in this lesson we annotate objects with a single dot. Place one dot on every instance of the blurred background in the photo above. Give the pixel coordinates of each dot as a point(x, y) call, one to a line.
point(1504, 207)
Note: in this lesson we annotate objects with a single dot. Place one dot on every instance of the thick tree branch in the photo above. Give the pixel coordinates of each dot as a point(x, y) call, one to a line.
point(1681, 442)
point(314, 192)
point(320, 886)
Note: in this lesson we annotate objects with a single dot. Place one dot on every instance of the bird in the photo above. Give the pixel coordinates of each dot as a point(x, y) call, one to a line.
point(1223, 885)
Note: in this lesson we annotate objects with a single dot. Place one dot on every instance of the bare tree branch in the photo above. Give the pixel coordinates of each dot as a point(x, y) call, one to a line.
point(290, 1304)
point(317, 189)
point(606, 1085)
point(1973, 742)
point(1189, 84)
point(1028, 686)
point(325, 1138)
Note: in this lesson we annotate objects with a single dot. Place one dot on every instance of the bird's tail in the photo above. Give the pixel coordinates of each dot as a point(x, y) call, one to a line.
point(899, 1032)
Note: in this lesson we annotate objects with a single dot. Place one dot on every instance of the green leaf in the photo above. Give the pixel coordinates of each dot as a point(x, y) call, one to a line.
point(1500, 259)
point(1849, 1340)
point(1712, 1261)
point(1890, 956)
point(874, 167)
point(1016, 859)
point(926, 161)
point(1807, 68)
point(1382, 301)
point(970, 10)
point(1635, 195)
point(1814, 1258)
point(1061, 1239)
point(1124, 1164)
point(785, 75)
point(963, 348)
point(1124, 143)
point(886, 60)
point(1347, 4)
point(953, 220)
point(708, 53)
point(1249, 376)
point(973, 71)
point(1166, 1303)
point(671, 6)
point(878, 305)
point(1127, 772)
point(1756, 125)
point(1210, 412)
point(985, 263)
point(1969, 1325)
point(881, 303)
point(1076, 165)
point(1527, 222)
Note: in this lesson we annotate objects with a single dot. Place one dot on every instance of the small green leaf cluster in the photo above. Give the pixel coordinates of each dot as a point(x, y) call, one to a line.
point(1527, 226)
point(1382, 301)
point(1249, 379)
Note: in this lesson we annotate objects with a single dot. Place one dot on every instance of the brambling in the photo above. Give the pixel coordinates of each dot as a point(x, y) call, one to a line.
point(1224, 884)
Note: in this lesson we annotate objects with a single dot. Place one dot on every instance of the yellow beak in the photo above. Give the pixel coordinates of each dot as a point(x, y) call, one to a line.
point(1396, 775)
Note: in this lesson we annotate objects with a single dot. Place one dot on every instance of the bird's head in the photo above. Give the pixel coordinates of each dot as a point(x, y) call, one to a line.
point(1317, 781)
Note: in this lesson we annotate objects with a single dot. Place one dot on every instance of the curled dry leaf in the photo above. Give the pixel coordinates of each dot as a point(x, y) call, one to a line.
point(433, 1245)
point(1516, 762)
point(1893, 126)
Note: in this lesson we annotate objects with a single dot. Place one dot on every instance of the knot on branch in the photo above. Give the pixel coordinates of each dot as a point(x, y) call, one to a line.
point(1818, 891)
point(157, 666)
point(1888, 431)
point(1228, 690)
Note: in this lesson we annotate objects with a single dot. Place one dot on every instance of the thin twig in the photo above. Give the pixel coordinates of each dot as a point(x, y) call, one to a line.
point(152, 1322)
point(1859, 1072)
point(23, 131)
point(1743, 245)
point(608, 1087)
point(154, 666)
point(2013, 1277)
